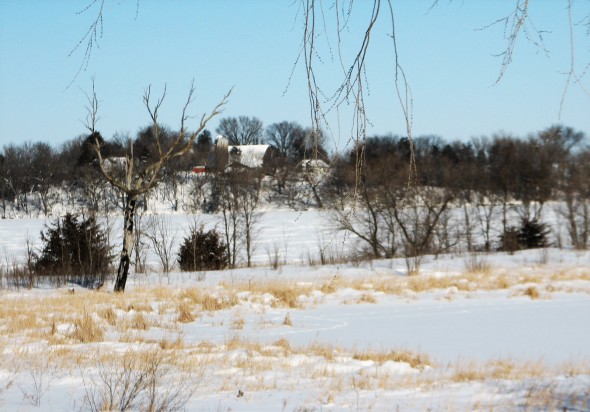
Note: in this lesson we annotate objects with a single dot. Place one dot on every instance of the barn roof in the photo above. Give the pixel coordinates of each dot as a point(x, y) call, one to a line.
point(249, 155)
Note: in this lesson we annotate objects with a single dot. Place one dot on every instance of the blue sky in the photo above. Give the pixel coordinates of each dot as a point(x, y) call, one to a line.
point(253, 45)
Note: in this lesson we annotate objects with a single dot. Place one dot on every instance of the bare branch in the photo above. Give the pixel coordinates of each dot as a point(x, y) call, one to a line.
point(91, 109)
point(571, 73)
point(516, 22)
point(153, 113)
point(91, 37)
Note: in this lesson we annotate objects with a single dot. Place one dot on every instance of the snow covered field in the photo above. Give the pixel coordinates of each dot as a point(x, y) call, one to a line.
point(510, 333)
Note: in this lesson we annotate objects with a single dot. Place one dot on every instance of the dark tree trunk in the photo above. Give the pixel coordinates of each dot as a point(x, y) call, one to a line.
point(123, 271)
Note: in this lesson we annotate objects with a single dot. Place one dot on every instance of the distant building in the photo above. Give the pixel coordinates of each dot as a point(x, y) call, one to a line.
point(224, 156)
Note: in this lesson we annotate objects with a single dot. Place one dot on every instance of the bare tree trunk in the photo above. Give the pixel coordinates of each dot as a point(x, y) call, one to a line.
point(467, 218)
point(123, 271)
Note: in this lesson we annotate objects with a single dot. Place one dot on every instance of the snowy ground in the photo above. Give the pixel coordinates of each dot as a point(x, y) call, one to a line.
point(512, 335)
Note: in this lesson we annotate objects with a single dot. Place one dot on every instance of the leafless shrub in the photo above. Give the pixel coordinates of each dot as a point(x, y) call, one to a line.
point(143, 381)
point(476, 263)
point(159, 231)
point(40, 371)
point(274, 256)
point(17, 275)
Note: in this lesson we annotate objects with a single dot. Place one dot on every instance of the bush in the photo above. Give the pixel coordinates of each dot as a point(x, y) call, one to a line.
point(74, 251)
point(202, 251)
point(531, 234)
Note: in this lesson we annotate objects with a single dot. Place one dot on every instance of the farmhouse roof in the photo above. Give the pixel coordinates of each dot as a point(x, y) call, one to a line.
point(248, 155)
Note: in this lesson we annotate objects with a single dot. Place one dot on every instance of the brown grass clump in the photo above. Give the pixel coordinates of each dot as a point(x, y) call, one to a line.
point(210, 303)
point(415, 360)
point(285, 294)
point(238, 323)
point(177, 344)
point(86, 330)
point(532, 292)
point(139, 307)
point(497, 369)
point(287, 321)
point(235, 342)
point(109, 315)
point(185, 313)
point(21, 322)
point(139, 322)
point(468, 372)
point(331, 286)
point(283, 344)
point(325, 351)
point(367, 298)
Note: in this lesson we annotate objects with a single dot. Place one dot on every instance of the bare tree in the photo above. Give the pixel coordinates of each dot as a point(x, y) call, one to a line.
point(229, 203)
point(159, 231)
point(418, 215)
point(575, 189)
point(242, 130)
point(367, 220)
point(249, 200)
point(137, 177)
point(284, 136)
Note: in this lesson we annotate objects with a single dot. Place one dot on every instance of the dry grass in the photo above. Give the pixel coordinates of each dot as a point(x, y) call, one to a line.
point(177, 344)
point(87, 330)
point(185, 313)
point(286, 294)
point(109, 315)
point(476, 263)
point(532, 292)
point(224, 299)
point(367, 298)
point(139, 306)
point(139, 322)
point(505, 369)
point(51, 319)
point(415, 360)
point(238, 323)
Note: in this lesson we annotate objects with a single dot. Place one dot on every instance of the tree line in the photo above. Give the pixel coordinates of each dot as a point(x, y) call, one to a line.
point(484, 180)
point(462, 195)
point(31, 172)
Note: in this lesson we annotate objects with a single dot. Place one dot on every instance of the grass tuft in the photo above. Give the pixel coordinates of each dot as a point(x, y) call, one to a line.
point(86, 330)
point(185, 314)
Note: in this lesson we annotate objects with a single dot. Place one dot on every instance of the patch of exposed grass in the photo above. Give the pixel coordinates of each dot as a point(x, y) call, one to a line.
point(139, 322)
point(532, 292)
point(224, 299)
point(109, 315)
point(415, 360)
point(185, 313)
point(286, 294)
point(87, 330)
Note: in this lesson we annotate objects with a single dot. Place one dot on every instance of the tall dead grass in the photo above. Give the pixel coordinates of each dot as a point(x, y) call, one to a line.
point(87, 330)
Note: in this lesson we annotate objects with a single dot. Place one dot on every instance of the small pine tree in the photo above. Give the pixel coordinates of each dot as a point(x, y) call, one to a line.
point(533, 234)
point(530, 235)
point(202, 251)
point(74, 251)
